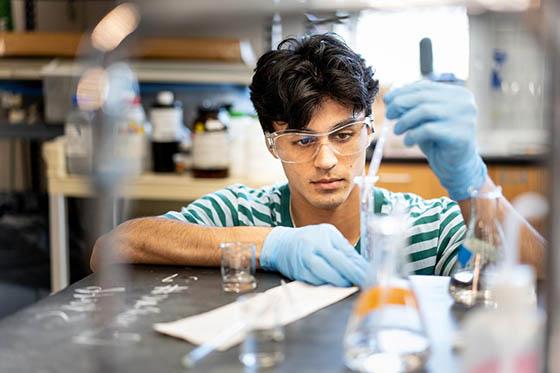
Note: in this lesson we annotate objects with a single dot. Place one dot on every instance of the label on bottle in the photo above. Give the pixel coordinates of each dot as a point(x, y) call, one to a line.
point(214, 125)
point(167, 123)
point(211, 150)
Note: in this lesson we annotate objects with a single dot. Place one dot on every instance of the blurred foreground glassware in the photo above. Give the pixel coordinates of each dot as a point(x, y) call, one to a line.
point(385, 332)
point(238, 266)
point(263, 345)
point(367, 208)
point(508, 338)
point(480, 252)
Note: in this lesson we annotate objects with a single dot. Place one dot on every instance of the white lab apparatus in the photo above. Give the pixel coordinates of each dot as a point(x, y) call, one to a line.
point(509, 338)
point(239, 126)
point(78, 140)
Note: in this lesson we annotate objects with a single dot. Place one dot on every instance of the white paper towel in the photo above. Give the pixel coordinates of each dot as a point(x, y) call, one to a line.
point(296, 300)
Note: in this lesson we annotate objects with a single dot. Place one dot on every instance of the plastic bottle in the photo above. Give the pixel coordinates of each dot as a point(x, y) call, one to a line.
point(239, 128)
point(261, 165)
point(78, 140)
point(508, 338)
point(166, 116)
point(134, 135)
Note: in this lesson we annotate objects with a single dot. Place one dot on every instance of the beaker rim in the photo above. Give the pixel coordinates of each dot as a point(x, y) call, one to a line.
point(494, 193)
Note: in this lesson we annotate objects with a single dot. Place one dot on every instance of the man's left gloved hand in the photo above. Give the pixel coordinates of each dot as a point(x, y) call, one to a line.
point(441, 119)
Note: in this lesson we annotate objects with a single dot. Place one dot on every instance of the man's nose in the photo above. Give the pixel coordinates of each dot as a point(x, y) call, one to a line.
point(325, 157)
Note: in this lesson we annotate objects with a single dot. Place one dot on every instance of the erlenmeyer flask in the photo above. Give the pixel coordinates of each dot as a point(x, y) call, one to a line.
point(481, 251)
point(385, 332)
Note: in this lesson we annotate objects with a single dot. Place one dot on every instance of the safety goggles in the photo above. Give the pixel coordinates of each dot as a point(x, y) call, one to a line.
point(344, 139)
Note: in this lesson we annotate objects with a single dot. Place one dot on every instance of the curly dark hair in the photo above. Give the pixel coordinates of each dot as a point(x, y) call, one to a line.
point(290, 83)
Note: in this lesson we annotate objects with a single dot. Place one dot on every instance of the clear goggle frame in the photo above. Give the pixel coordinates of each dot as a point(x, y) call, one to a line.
point(298, 146)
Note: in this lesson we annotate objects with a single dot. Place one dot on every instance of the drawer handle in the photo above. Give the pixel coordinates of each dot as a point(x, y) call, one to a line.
point(394, 178)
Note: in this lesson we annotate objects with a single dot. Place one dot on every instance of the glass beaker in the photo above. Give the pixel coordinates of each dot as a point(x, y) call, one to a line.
point(481, 251)
point(263, 346)
point(385, 332)
point(238, 266)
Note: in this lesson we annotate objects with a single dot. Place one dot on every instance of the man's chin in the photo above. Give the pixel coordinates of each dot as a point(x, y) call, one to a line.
point(328, 202)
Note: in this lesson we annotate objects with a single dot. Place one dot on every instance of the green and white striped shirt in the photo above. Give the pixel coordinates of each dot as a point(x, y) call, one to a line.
point(436, 232)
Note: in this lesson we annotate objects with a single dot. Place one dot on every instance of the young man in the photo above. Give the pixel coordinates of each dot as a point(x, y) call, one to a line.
point(313, 97)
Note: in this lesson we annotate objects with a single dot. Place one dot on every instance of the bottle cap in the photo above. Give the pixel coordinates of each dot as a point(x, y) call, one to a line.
point(165, 98)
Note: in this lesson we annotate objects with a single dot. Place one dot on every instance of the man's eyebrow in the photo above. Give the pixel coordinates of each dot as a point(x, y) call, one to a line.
point(339, 124)
point(342, 123)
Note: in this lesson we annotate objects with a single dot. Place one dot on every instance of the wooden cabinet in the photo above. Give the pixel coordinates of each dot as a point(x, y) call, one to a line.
point(418, 178)
point(516, 180)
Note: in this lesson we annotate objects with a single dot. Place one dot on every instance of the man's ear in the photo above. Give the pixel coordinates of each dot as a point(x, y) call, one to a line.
point(279, 125)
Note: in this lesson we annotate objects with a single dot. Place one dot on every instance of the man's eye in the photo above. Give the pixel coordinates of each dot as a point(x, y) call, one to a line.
point(305, 141)
point(342, 136)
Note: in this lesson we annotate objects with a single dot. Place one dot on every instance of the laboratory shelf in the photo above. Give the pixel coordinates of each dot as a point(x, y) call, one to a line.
point(146, 70)
point(39, 131)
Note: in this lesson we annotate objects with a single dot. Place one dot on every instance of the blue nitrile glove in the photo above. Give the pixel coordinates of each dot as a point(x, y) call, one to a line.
point(441, 119)
point(317, 254)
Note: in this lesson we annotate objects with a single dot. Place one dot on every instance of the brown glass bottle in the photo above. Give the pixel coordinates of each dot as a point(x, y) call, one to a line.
point(166, 115)
point(210, 147)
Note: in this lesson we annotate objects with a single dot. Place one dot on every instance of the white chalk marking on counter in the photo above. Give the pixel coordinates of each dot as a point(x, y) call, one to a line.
point(170, 278)
point(114, 338)
point(53, 313)
point(85, 299)
point(147, 304)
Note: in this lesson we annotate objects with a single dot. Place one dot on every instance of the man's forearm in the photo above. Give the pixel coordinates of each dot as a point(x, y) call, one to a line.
point(165, 241)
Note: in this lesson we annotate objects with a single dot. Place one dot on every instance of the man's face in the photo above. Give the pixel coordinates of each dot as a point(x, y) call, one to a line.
point(326, 181)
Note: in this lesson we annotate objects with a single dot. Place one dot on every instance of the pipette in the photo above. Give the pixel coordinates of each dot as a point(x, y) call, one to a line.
point(366, 184)
point(378, 153)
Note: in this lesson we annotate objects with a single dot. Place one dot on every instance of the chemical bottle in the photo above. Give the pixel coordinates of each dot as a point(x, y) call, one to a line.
point(211, 143)
point(166, 116)
point(481, 251)
point(239, 128)
point(78, 140)
point(385, 332)
point(508, 338)
point(133, 138)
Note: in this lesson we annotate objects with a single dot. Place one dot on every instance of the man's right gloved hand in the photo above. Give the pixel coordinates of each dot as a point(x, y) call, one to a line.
point(317, 254)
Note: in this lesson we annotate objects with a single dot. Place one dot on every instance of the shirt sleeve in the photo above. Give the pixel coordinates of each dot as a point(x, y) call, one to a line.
point(218, 209)
point(236, 205)
point(452, 231)
point(436, 231)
